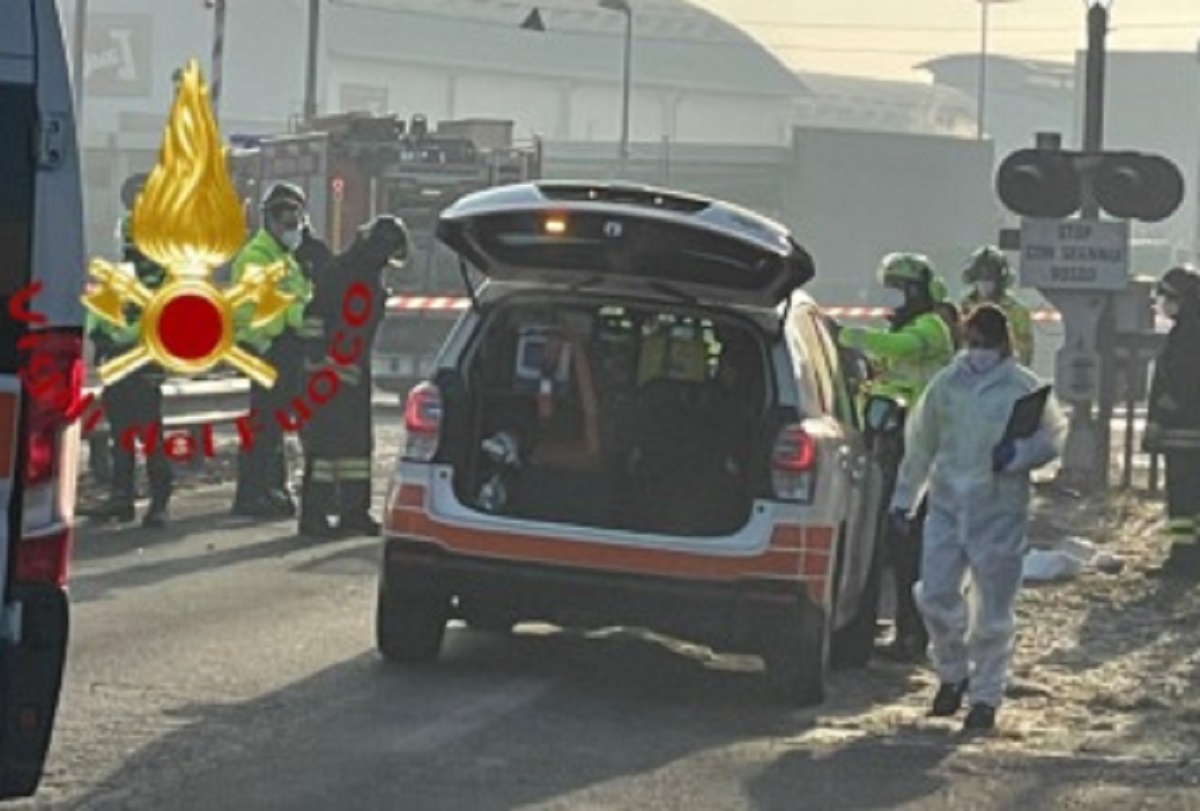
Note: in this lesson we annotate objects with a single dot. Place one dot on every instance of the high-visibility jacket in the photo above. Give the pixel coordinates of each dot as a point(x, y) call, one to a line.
point(263, 249)
point(1020, 322)
point(909, 355)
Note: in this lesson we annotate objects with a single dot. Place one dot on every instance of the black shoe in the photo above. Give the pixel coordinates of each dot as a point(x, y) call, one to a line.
point(948, 700)
point(981, 718)
point(282, 503)
point(909, 649)
point(155, 517)
point(317, 529)
point(365, 526)
point(264, 508)
point(1182, 563)
point(111, 510)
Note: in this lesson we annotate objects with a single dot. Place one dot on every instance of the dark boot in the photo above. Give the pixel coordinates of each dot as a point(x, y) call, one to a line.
point(363, 525)
point(155, 517)
point(948, 700)
point(981, 718)
point(1182, 563)
point(114, 509)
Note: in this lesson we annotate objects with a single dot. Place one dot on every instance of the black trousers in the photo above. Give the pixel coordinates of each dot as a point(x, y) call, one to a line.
point(903, 553)
point(262, 468)
point(1183, 494)
point(133, 406)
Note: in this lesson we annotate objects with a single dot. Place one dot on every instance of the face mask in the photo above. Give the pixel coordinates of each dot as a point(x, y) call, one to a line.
point(291, 239)
point(985, 289)
point(893, 299)
point(981, 360)
point(1169, 308)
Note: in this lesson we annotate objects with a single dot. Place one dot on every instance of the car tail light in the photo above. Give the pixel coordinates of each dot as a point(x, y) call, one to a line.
point(422, 422)
point(794, 464)
point(53, 400)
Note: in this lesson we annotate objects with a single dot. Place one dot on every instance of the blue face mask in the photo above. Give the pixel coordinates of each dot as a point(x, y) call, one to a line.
point(981, 360)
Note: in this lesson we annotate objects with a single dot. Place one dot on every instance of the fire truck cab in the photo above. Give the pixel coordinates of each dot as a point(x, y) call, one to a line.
point(354, 166)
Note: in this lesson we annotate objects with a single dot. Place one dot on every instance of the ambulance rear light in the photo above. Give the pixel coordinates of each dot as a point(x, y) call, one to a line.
point(53, 393)
point(422, 422)
point(45, 559)
point(794, 465)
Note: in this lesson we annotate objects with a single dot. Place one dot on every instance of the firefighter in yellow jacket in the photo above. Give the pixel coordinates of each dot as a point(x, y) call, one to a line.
point(991, 278)
point(133, 404)
point(262, 488)
point(917, 345)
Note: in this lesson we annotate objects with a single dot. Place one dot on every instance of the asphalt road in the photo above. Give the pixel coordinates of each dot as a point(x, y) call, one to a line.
point(220, 664)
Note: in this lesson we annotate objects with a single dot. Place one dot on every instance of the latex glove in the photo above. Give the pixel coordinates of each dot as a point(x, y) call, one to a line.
point(900, 522)
point(1003, 455)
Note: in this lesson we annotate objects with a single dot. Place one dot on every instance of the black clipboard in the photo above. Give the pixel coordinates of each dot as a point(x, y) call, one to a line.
point(1026, 416)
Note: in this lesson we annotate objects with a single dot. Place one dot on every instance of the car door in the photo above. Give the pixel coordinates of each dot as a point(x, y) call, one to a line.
point(865, 481)
point(41, 369)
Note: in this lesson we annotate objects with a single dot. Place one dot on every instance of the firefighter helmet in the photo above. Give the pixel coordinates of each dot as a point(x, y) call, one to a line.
point(131, 188)
point(1181, 283)
point(988, 264)
point(907, 269)
point(284, 195)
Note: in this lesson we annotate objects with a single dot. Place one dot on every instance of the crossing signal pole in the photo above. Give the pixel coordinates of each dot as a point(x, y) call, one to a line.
point(1081, 265)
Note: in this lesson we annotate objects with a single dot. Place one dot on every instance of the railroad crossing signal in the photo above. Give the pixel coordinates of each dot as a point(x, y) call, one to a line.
point(1049, 183)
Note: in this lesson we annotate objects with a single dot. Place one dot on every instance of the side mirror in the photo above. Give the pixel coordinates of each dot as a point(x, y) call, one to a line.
point(882, 414)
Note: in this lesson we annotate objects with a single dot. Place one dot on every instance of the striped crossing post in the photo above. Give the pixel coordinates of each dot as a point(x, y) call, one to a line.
point(218, 54)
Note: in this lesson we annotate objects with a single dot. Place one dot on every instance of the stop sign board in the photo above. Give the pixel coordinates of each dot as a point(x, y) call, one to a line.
point(1075, 254)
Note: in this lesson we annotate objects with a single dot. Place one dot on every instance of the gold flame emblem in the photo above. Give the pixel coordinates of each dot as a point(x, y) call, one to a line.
point(188, 219)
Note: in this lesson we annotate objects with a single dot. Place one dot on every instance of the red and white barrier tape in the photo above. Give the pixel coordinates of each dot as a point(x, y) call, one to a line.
point(450, 303)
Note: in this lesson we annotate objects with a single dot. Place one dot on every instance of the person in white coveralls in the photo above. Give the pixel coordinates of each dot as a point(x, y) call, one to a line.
point(979, 492)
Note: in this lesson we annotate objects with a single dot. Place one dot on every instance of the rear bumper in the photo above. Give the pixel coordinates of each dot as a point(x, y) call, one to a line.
point(736, 615)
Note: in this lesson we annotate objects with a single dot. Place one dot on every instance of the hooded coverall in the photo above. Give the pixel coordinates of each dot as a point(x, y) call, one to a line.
point(339, 441)
point(1020, 322)
point(977, 519)
point(911, 353)
point(262, 468)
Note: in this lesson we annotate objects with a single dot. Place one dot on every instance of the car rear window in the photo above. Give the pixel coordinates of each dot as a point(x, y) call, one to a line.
point(604, 243)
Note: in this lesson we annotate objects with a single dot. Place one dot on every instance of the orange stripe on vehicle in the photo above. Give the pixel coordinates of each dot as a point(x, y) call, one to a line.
point(8, 434)
point(818, 539)
point(787, 536)
point(581, 554)
point(816, 565)
point(409, 496)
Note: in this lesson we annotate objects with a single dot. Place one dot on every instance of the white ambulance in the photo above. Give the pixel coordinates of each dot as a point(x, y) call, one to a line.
point(41, 369)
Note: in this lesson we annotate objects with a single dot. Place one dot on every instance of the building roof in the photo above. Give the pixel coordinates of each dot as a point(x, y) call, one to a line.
point(882, 91)
point(676, 44)
point(1033, 74)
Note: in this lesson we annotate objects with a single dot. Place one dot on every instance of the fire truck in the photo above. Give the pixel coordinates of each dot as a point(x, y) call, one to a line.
point(355, 166)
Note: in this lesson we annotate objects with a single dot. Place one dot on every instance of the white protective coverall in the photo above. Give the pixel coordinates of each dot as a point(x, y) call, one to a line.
point(977, 519)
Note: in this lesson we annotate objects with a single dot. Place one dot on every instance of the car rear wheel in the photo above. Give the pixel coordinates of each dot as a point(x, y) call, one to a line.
point(409, 623)
point(796, 654)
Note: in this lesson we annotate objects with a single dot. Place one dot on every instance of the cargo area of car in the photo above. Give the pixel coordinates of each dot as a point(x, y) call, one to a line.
point(673, 434)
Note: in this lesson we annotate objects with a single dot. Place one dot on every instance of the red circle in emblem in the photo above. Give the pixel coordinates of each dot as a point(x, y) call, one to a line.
point(190, 327)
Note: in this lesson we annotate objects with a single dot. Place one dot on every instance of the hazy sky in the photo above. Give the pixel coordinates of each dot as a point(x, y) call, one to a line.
point(886, 37)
